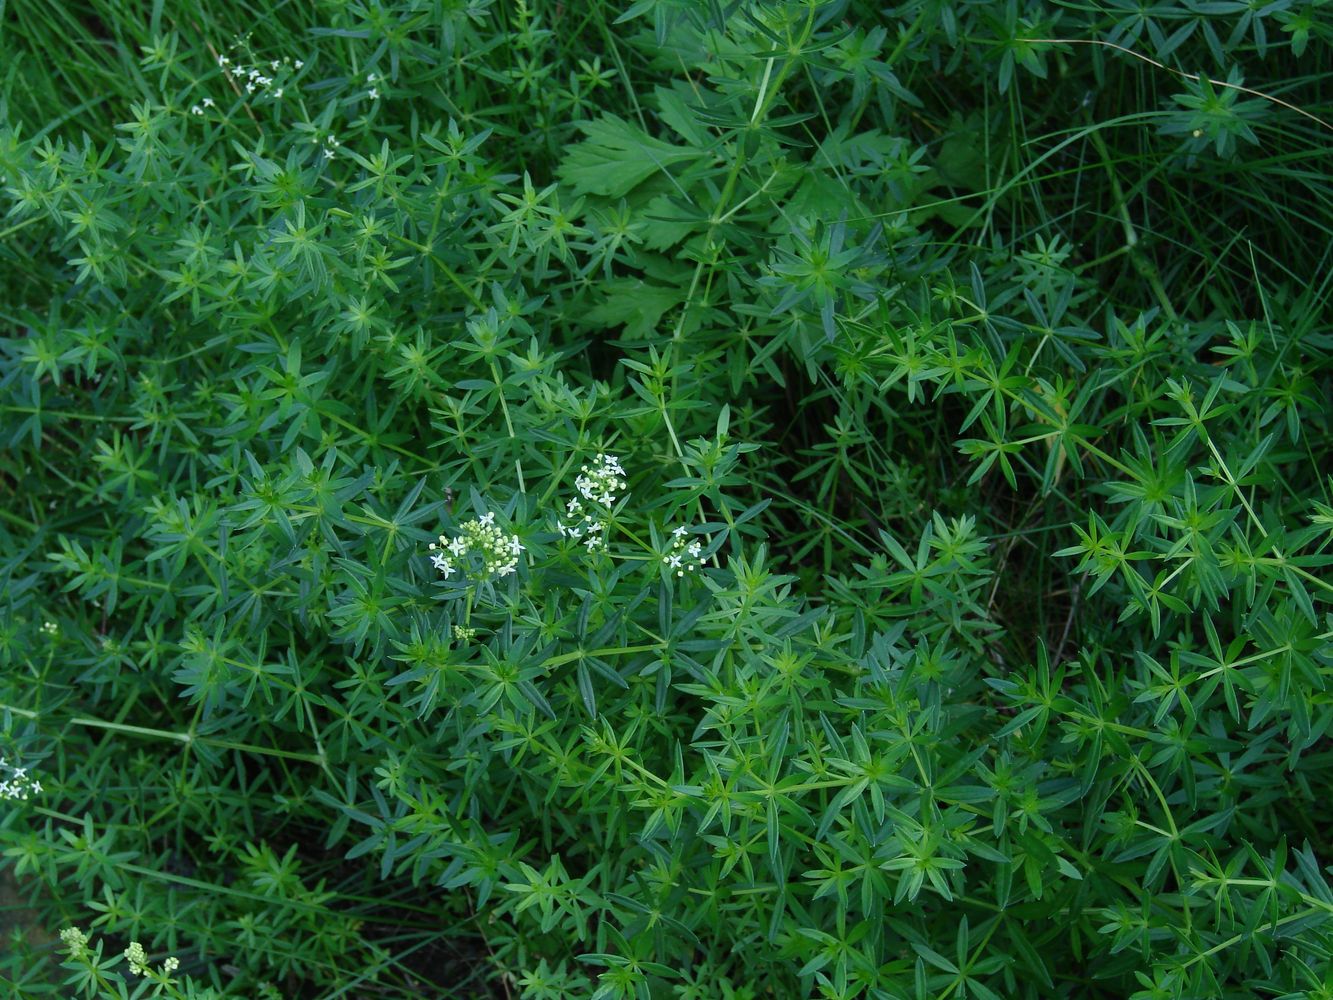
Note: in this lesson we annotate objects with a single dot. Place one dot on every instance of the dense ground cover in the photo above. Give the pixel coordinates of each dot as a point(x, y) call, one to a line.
point(666, 499)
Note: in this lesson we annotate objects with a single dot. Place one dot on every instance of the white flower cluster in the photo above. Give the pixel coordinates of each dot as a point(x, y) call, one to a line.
point(496, 549)
point(49, 628)
point(15, 782)
point(76, 941)
point(138, 960)
point(583, 526)
point(684, 555)
point(603, 481)
point(259, 80)
point(599, 483)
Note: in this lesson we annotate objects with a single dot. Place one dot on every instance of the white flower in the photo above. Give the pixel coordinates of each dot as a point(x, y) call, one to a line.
point(328, 154)
point(223, 61)
point(196, 110)
point(370, 78)
point(274, 64)
point(601, 481)
point(298, 64)
point(277, 94)
point(683, 556)
point(249, 88)
point(208, 102)
point(374, 94)
point(440, 562)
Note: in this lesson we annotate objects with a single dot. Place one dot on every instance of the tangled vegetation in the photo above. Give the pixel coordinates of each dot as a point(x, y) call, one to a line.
point(666, 499)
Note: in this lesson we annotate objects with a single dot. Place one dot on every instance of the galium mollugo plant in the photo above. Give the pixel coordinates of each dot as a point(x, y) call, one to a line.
point(966, 631)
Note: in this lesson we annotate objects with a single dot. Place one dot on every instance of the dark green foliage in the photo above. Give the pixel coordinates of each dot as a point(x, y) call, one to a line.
point(962, 628)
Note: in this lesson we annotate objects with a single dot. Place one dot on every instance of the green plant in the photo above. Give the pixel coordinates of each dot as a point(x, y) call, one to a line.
point(672, 499)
